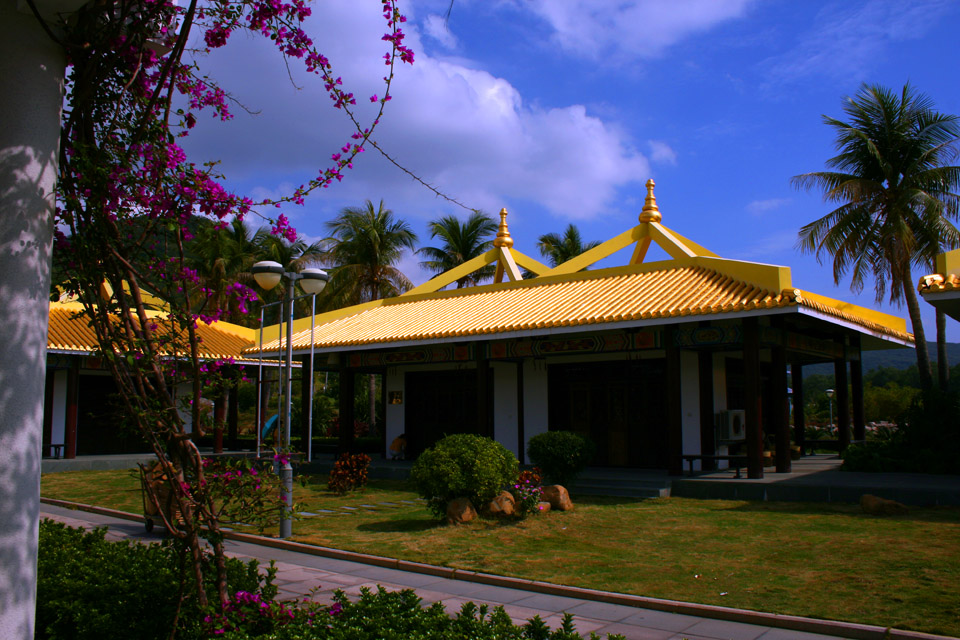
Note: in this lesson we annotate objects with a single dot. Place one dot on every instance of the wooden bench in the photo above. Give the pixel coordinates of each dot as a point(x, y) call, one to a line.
point(734, 462)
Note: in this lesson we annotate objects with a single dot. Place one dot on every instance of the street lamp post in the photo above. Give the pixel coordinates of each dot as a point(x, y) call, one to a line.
point(268, 275)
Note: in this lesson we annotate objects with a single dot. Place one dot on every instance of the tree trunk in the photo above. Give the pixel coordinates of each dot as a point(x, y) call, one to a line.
point(943, 366)
point(920, 337)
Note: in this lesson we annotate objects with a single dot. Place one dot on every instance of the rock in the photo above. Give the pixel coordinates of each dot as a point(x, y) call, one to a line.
point(876, 506)
point(460, 511)
point(543, 506)
point(503, 505)
point(558, 497)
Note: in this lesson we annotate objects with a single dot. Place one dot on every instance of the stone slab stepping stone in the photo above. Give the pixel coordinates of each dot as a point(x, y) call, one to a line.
point(325, 511)
point(369, 506)
point(307, 514)
point(349, 508)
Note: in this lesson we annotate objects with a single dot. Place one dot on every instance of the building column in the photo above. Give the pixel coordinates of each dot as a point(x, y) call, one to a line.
point(799, 420)
point(521, 437)
point(781, 410)
point(856, 389)
point(73, 399)
point(708, 442)
point(233, 419)
point(219, 419)
point(31, 94)
point(306, 375)
point(346, 417)
point(843, 400)
point(48, 389)
point(674, 403)
point(484, 397)
point(751, 383)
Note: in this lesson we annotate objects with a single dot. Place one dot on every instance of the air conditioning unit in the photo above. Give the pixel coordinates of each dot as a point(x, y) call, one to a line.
point(733, 425)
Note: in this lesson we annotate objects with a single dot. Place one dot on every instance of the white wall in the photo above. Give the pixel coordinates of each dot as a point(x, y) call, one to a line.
point(535, 408)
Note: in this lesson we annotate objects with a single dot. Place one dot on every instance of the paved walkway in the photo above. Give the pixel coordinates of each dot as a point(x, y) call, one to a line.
point(303, 575)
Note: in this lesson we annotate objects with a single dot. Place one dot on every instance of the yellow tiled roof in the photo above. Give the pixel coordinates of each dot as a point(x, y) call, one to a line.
point(582, 299)
point(69, 332)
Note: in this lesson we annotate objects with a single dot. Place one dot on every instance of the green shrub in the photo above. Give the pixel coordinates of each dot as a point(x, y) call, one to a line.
point(391, 616)
point(88, 587)
point(463, 466)
point(561, 455)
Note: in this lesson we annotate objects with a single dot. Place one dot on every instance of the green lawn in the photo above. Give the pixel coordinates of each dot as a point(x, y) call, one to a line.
point(818, 560)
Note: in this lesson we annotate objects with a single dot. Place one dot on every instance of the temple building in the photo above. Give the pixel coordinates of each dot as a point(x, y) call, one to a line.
point(689, 356)
point(942, 289)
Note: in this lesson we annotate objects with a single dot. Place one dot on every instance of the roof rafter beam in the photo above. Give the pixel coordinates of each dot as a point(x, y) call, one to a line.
point(448, 277)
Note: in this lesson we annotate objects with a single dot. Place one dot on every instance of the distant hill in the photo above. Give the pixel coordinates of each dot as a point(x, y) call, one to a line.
point(897, 358)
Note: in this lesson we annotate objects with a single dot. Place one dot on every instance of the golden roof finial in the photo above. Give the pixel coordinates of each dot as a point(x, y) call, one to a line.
point(503, 238)
point(650, 211)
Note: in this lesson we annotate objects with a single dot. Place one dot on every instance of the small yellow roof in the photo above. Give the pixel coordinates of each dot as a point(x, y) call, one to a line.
point(72, 333)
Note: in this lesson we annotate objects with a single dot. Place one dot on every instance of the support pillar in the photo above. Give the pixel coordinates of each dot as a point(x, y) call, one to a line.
point(233, 419)
point(484, 397)
point(708, 442)
point(219, 420)
point(346, 417)
point(521, 436)
point(73, 399)
point(799, 419)
point(751, 383)
point(48, 389)
point(856, 390)
point(843, 400)
point(31, 84)
point(674, 404)
point(781, 410)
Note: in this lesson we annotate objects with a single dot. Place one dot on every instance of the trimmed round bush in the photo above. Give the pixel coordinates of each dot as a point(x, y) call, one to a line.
point(561, 455)
point(463, 465)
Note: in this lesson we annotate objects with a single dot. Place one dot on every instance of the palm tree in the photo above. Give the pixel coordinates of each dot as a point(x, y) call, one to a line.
point(462, 241)
point(223, 256)
point(896, 196)
point(365, 245)
point(558, 249)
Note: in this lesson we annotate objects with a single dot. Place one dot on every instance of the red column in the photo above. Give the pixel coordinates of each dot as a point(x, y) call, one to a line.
point(73, 394)
point(751, 383)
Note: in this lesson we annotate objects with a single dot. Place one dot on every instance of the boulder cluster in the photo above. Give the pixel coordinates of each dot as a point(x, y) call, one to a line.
point(460, 510)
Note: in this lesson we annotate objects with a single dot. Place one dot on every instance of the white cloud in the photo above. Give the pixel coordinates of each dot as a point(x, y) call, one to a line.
point(849, 39)
point(436, 27)
point(760, 207)
point(662, 153)
point(630, 29)
point(462, 129)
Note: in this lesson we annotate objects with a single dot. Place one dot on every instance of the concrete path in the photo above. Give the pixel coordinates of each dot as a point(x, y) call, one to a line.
point(301, 575)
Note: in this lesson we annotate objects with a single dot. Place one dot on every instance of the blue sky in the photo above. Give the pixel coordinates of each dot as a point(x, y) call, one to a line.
point(560, 110)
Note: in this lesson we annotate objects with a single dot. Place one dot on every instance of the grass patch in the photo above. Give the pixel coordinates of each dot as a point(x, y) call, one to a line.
point(818, 560)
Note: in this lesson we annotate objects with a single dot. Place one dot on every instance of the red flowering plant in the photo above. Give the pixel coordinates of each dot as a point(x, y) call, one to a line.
point(527, 491)
point(128, 202)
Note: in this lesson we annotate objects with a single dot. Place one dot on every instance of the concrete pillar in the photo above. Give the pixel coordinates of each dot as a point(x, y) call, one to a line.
point(31, 80)
point(781, 409)
point(856, 389)
point(674, 404)
point(708, 442)
point(799, 420)
point(484, 393)
point(751, 383)
point(233, 419)
point(842, 399)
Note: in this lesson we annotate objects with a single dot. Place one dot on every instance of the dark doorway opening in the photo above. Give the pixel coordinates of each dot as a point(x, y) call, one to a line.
point(439, 403)
point(620, 405)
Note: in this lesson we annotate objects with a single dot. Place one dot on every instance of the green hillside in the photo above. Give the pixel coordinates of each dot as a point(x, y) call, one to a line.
point(896, 358)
